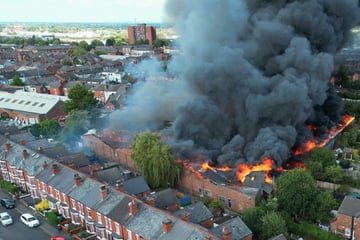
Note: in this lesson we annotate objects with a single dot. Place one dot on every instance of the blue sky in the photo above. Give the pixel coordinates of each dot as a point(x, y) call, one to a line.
point(82, 10)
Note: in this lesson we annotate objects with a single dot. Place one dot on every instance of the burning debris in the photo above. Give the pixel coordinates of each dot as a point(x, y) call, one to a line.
point(251, 80)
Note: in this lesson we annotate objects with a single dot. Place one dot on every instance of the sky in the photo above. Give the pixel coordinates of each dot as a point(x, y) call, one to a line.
point(136, 11)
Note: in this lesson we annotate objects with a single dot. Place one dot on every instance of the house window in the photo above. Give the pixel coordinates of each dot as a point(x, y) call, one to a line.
point(41, 105)
point(207, 193)
point(222, 199)
point(229, 203)
point(89, 212)
point(99, 218)
point(117, 228)
point(200, 190)
point(73, 204)
point(347, 232)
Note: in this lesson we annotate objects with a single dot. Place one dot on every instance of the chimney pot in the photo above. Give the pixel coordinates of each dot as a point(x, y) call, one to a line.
point(185, 216)
point(55, 169)
point(25, 154)
point(103, 192)
point(77, 179)
point(119, 185)
point(72, 164)
point(40, 149)
point(167, 224)
point(45, 164)
point(226, 233)
point(133, 207)
point(7, 146)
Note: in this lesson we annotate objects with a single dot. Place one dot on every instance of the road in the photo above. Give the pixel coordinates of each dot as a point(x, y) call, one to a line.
point(18, 231)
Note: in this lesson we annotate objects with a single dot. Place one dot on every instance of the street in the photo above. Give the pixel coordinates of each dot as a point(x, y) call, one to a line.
point(18, 230)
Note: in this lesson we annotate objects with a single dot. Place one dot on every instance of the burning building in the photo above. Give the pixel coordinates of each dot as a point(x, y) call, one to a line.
point(250, 92)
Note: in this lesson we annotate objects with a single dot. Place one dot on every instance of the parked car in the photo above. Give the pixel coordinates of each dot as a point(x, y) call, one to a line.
point(7, 203)
point(57, 238)
point(29, 220)
point(5, 219)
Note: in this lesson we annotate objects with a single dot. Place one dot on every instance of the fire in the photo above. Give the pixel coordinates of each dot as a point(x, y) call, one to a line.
point(245, 169)
point(267, 165)
point(206, 166)
point(310, 144)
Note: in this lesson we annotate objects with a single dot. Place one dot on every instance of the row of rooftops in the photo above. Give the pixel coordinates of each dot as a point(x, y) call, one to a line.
point(147, 221)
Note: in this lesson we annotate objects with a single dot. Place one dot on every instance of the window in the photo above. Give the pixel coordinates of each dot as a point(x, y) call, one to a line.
point(21, 101)
point(222, 199)
point(99, 220)
point(35, 103)
point(200, 190)
point(28, 102)
point(347, 232)
point(229, 203)
point(207, 193)
point(41, 105)
point(8, 99)
point(14, 101)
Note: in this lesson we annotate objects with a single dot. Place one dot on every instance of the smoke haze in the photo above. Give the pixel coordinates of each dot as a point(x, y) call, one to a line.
point(251, 75)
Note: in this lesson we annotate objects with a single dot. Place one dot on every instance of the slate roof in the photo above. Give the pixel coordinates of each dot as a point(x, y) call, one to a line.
point(238, 228)
point(63, 180)
point(166, 198)
point(79, 159)
point(88, 193)
point(32, 165)
point(198, 212)
point(136, 185)
point(350, 206)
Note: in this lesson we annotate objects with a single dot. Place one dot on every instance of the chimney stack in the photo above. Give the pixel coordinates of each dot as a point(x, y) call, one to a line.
point(103, 192)
point(45, 164)
point(25, 154)
point(55, 169)
point(71, 164)
point(185, 216)
point(150, 200)
point(167, 224)
point(119, 185)
point(77, 179)
point(40, 150)
point(22, 142)
point(7, 146)
point(226, 233)
point(7, 135)
point(133, 207)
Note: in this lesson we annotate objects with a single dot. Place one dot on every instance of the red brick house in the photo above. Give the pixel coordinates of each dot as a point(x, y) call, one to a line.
point(347, 223)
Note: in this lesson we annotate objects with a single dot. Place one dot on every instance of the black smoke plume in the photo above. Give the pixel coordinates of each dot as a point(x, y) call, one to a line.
point(250, 76)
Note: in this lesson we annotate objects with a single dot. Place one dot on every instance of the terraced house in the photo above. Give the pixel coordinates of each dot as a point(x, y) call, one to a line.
point(103, 210)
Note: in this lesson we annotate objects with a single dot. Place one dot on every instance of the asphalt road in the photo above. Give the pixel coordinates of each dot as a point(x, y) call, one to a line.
point(18, 231)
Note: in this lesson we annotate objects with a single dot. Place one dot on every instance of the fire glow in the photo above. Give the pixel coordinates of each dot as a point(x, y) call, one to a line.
point(310, 144)
point(267, 164)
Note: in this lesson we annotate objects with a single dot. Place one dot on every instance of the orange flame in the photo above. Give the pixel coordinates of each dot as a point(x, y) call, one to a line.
point(245, 169)
point(310, 145)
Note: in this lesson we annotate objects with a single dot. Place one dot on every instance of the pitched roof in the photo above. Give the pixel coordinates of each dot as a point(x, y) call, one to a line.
point(198, 212)
point(136, 185)
point(350, 206)
point(238, 228)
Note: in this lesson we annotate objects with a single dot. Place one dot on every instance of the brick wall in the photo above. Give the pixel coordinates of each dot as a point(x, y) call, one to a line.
point(195, 185)
point(344, 222)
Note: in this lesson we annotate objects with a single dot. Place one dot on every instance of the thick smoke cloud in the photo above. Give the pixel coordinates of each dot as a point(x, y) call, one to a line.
point(251, 75)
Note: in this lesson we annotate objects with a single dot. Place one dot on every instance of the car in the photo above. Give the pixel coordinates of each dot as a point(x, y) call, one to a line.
point(29, 220)
point(6, 219)
point(57, 238)
point(7, 203)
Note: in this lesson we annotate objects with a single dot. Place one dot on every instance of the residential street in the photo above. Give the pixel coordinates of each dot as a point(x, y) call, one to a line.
point(18, 230)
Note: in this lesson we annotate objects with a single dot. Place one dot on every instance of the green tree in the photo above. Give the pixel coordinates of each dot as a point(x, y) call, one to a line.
point(49, 127)
point(272, 224)
point(66, 62)
point(323, 203)
point(79, 99)
point(334, 174)
point(155, 160)
point(296, 190)
point(96, 42)
point(252, 218)
point(323, 155)
point(36, 130)
point(110, 42)
point(76, 124)
point(16, 81)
